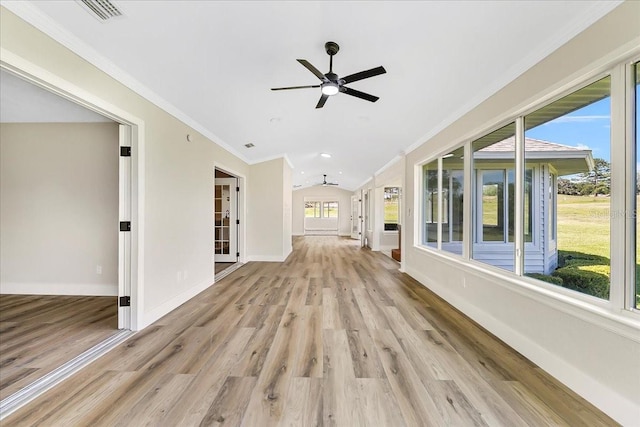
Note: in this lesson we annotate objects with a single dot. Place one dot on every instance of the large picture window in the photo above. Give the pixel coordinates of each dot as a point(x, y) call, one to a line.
point(330, 209)
point(453, 201)
point(431, 205)
point(312, 209)
point(636, 123)
point(546, 194)
point(570, 140)
point(493, 201)
point(391, 208)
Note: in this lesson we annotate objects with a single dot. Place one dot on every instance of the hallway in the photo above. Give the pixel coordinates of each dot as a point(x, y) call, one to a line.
point(335, 335)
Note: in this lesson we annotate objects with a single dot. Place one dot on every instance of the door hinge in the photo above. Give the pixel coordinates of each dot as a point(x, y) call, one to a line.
point(125, 301)
point(237, 254)
point(238, 189)
point(237, 221)
point(125, 225)
point(125, 151)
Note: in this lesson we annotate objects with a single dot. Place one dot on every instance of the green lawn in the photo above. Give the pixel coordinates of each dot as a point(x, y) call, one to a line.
point(583, 228)
point(583, 224)
point(391, 211)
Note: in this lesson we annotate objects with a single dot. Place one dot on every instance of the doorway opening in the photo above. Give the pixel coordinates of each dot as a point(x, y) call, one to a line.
point(97, 289)
point(226, 222)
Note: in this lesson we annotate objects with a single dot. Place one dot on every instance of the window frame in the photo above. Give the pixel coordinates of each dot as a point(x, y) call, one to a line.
point(317, 211)
point(623, 156)
point(326, 209)
point(397, 223)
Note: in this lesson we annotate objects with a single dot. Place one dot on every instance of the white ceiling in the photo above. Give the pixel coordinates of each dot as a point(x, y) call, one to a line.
point(212, 64)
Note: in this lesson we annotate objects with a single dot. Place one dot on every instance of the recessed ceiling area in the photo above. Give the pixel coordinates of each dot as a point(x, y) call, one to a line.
point(212, 65)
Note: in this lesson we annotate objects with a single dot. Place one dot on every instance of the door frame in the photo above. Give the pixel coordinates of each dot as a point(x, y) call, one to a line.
point(356, 217)
point(131, 181)
point(240, 209)
point(233, 217)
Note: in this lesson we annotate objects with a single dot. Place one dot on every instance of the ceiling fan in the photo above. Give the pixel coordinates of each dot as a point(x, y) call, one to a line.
point(324, 182)
point(332, 83)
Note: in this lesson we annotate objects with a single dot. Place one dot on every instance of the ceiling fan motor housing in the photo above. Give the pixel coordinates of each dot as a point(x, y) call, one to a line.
point(332, 48)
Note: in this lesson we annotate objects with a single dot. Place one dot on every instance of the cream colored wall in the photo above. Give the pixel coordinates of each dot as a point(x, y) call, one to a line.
point(593, 354)
point(392, 175)
point(175, 263)
point(287, 206)
point(268, 211)
point(59, 208)
point(322, 193)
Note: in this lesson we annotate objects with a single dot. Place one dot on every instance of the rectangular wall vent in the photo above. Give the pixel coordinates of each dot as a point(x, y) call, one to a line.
point(101, 9)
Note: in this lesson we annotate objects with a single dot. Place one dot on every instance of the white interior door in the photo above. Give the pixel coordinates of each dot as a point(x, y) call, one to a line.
point(225, 215)
point(356, 217)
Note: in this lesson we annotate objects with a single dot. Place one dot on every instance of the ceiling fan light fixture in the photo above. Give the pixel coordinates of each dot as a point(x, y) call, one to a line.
point(330, 88)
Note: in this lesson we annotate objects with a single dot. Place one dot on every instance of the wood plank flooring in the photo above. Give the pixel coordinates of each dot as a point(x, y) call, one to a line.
point(38, 333)
point(334, 336)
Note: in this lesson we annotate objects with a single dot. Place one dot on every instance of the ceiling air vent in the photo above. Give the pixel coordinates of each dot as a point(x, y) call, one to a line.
point(101, 9)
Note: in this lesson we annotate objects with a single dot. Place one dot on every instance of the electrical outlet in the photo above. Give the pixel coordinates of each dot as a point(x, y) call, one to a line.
point(98, 269)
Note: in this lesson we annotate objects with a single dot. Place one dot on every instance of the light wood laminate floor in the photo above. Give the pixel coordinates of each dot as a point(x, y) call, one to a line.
point(38, 333)
point(334, 336)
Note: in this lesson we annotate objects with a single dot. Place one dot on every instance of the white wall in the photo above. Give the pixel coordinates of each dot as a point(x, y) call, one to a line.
point(287, 215)
point(320, 193)
point(391, 175)
point(593, 351)
point(268, 211)
point(174, 262)
point(59, 208)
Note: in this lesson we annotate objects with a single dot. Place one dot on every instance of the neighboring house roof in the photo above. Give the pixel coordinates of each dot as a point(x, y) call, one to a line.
point(565, 159)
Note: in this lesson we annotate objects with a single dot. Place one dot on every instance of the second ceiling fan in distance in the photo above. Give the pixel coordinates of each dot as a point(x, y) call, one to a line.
point(324, 182)
point(332, 83)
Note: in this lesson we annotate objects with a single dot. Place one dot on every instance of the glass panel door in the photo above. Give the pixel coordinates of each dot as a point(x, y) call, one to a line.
point(224, 220)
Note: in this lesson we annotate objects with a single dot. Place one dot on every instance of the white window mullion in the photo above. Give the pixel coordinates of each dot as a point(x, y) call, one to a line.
point(440, 198)
point(618, 239)
point(518, 238)
point(632, 157)
point(467, 206)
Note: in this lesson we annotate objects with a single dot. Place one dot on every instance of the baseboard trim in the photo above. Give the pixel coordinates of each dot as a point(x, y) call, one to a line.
point(606, 399)
point(175, 302)
point(266, 258)
point(20, 398)
point(81, 289)
point(227, 271)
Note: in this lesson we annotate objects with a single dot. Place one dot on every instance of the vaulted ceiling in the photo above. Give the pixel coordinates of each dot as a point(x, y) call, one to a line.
point(212, 64)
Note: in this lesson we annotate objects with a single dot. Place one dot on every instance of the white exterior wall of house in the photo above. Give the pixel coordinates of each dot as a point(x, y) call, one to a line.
point(541, 256)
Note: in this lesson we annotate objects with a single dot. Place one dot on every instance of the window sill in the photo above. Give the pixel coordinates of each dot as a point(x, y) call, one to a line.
point(599, 312)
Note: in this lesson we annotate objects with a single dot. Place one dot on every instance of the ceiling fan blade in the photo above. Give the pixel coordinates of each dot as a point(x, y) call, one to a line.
point(322, 100)
point(313, 69)
point(293, 87)
point(364, 74)
point(359, 94)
